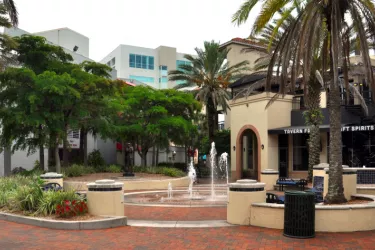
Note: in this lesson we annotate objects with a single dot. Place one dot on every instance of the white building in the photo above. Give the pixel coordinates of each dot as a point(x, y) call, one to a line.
point(149, 66)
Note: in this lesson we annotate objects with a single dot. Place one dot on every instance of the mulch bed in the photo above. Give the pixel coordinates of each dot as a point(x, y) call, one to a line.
point(354, 201)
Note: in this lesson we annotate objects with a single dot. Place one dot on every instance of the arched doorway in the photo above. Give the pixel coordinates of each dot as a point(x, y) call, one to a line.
point(248, 149)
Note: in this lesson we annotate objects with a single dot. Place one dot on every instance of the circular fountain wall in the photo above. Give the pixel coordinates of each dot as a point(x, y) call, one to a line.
point(200, 196)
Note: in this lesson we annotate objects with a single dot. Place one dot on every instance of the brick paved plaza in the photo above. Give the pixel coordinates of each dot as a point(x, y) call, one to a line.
point(17, 236)
point(175, 213)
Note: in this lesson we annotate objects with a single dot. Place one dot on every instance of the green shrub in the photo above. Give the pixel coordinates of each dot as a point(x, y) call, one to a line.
point(26, 197)
point(48, 203)
point(167, 171)
point(24, 193)
point(114, 169)
point(96, 160)
point(77, 170)
point(33, 172)
point(179, 165)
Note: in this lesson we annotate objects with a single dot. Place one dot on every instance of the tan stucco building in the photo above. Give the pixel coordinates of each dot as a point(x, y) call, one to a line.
point(276, 138)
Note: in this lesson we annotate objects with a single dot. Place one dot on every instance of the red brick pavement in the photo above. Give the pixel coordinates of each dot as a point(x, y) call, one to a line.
point(18, 236)
point(175, 213)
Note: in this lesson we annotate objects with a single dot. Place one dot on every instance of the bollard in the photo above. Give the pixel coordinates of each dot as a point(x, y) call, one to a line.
point(240, 197)
point(105, 198)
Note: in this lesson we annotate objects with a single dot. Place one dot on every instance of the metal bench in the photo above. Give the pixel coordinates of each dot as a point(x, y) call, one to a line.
point(273, 198)
point(290, 182)
point(52, 187)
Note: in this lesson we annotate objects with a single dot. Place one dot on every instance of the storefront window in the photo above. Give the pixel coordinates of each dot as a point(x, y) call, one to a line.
point(300, 152)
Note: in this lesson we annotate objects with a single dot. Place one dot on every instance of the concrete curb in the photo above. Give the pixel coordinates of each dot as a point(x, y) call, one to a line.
point(108, 222)
point(180, 224)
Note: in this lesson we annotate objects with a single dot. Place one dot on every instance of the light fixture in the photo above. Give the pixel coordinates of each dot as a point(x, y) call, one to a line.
point(75, 48)
point(262, 146)
point(234, 148)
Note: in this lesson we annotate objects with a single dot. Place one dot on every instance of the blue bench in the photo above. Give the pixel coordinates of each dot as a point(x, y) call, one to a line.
point(290, 182)
point(273, 198)
point(52, 187)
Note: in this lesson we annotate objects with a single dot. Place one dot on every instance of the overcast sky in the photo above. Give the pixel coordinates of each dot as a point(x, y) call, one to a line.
point(183, 24)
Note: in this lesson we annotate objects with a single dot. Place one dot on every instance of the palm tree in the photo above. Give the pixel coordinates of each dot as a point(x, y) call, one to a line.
point(12, 11)
point(318, 27)
point(212, 74)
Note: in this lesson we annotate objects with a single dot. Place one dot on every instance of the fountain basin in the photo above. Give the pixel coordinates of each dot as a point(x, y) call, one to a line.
point(201, 198)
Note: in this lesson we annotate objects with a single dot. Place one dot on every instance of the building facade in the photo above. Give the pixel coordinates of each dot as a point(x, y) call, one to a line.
point(145, 65)
point(276, 137)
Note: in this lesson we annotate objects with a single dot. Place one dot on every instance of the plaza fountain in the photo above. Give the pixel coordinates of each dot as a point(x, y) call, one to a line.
point(170, 191)
point(193, 177)
point(213, 194)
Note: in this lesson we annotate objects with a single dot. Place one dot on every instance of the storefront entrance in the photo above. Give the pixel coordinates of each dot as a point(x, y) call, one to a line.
point(248, 154)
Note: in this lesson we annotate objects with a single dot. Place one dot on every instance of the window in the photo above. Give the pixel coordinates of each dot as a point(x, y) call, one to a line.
point(144, 62)
point(113, 61)
point(141, 61)
point(163, 79)
point(300, 152)
point(138, 61)
point(132, 60)
point(180, 82)
point(143, 79)
point(181, 62)
point(163, 70)
point(151, 62)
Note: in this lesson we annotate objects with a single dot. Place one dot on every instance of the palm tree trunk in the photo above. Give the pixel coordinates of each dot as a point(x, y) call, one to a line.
point(313, 117)
point(7, 161)
point(335, 193)
point(211, 113)
point(314, 149)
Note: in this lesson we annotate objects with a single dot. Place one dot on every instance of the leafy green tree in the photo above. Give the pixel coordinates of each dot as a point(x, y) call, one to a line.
point(212, 74)
point(150, 114)
point(33, 52)
point(318, 27)
point(97, 101)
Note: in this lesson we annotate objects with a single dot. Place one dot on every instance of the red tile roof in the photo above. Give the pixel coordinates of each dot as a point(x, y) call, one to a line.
point(244, 41)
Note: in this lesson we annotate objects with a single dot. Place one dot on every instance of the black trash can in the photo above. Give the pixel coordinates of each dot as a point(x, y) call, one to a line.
point(299, 214)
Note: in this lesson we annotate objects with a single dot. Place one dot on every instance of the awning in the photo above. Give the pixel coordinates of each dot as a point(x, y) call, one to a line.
point(298, 129)
point(323, 128)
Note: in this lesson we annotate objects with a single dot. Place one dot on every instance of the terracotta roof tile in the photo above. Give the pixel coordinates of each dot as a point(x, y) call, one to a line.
point(244, 41)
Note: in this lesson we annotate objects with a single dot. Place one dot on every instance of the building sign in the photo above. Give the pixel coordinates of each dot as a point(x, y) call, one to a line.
point(73, 139)
point(343, 129)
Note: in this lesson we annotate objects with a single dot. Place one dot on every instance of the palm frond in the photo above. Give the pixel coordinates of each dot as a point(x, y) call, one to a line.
point(12, 11)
